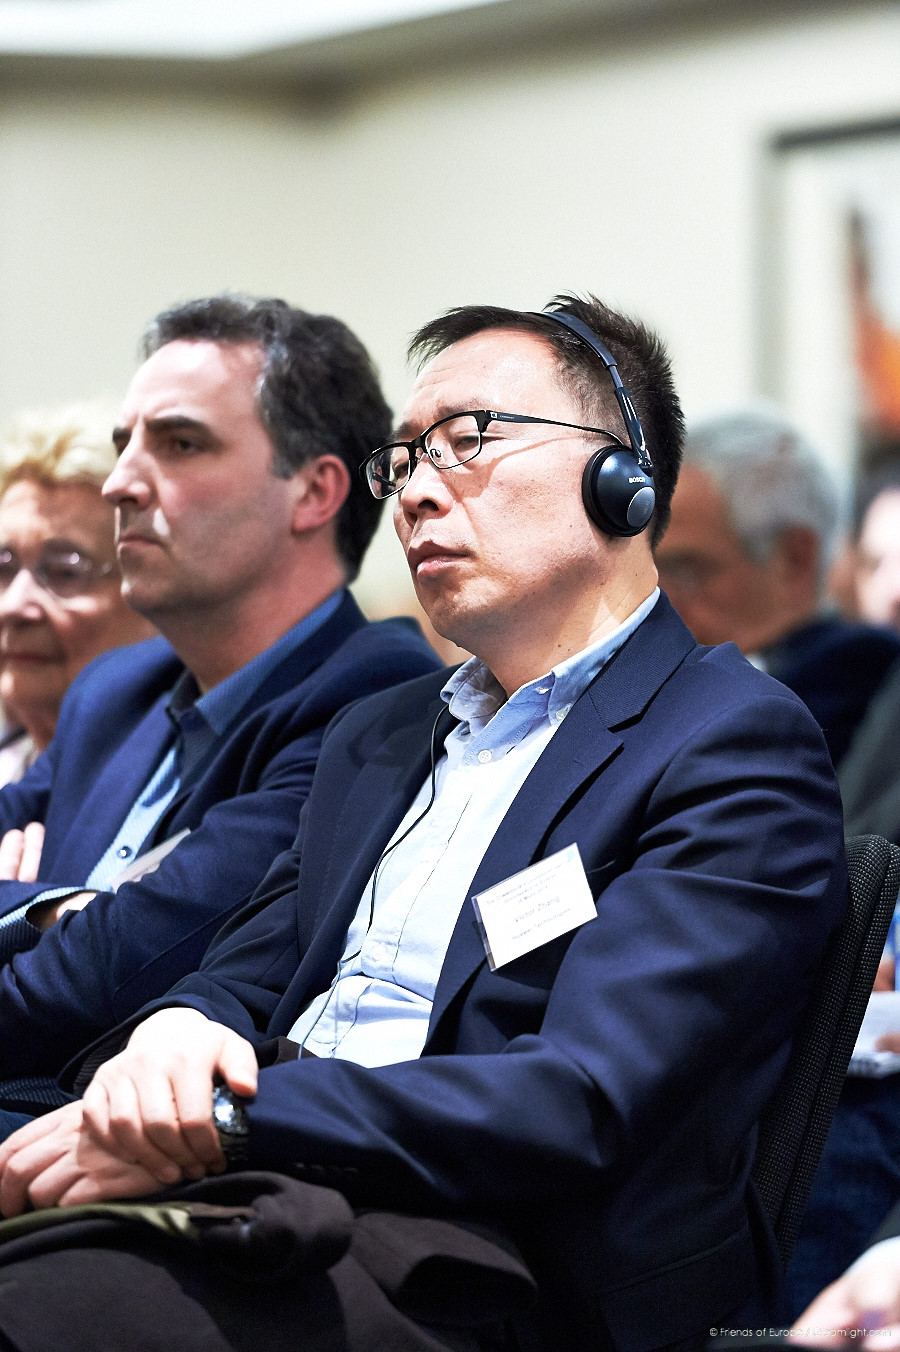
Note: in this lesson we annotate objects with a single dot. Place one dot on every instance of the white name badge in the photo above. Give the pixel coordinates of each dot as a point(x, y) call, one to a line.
point(534, 906)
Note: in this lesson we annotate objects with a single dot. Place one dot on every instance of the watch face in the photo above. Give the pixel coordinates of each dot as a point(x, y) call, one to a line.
point(230, 1121)
point(228, 1116)
point(223, 1112)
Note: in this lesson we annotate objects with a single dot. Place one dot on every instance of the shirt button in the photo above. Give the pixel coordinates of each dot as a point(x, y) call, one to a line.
point(561, 713)
point(124, 851)
point(485, 756)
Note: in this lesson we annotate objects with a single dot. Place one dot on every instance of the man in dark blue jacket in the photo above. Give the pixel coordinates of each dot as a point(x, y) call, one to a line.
point(180, 765)
point(746, 560)
point(543, 938)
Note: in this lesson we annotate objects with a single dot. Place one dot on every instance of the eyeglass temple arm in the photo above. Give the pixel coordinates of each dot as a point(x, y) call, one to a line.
point(629, 414)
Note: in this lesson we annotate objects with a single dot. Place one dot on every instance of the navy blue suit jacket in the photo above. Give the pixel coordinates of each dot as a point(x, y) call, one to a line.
point(596, 1098)
point(835, 668)
point(241, 804)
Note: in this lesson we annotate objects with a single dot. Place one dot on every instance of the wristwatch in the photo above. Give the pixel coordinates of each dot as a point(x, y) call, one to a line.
point(229, 1115)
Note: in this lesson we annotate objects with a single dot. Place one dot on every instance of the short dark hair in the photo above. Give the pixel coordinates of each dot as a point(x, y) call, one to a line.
point(318, 392)
point(641, 358)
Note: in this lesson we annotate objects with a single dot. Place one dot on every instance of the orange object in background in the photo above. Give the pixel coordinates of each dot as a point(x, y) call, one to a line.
point(877, 344)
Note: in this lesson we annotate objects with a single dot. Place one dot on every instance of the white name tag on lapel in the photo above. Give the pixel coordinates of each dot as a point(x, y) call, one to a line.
point(534, 906)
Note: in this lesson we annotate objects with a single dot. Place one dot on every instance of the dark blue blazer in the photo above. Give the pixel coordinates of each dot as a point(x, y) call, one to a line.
point(241, 803)
point(596, 1098)
point(835, 667)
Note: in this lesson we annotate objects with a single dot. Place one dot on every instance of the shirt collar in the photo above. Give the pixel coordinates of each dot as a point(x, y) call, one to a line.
point(221, 705)
point(474, 694)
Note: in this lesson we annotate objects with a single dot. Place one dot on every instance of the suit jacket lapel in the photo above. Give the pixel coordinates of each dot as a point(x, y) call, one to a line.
point(119, 783)
point(581, 748)
point(376, 801)
point(380, 796)
point(295, 667)
point(578, 749)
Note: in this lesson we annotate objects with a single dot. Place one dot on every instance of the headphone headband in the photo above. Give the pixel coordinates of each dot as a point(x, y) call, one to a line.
point(617, 483)
point(629, 413)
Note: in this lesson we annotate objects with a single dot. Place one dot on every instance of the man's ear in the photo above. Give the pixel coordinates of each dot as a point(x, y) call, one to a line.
point(321, 487)
point(798, 554)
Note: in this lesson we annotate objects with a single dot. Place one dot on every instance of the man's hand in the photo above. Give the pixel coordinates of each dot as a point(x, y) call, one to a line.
point(888, 1042)
point(866, 1297)
point(152, 1104)
point(46, 913)
point(884, 981)
point(884, 977)
point(20, 854)
point(53, 1162)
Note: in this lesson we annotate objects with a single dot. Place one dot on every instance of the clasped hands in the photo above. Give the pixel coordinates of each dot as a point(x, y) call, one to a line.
point(144, 1123)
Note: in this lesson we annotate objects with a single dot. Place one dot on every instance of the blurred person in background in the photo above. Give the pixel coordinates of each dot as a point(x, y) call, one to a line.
point(745, 559)
point(859, 1175)
point(858, 1178)
point(746, 556)
point(864, 1303)
point(870, 772)
point(60, 598)
point(876, 556)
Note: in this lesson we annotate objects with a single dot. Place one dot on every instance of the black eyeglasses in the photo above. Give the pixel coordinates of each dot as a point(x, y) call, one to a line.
point(448, 443)
point(63, 571)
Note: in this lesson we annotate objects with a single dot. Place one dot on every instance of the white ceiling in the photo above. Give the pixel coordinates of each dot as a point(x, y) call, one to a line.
point(297, 31)
point(198, 29)
point(318, 44)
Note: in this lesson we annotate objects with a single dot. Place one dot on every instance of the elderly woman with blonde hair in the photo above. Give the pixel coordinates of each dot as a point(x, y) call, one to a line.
point(60, 599)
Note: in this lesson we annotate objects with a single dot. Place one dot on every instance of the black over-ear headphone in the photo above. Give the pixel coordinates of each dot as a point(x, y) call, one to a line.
point(617, 484)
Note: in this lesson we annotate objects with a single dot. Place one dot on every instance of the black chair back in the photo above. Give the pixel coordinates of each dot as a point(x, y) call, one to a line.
point(795, 1123)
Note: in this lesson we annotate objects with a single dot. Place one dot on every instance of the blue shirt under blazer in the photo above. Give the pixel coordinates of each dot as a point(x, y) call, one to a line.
point(596, 1098)
point(241, 803)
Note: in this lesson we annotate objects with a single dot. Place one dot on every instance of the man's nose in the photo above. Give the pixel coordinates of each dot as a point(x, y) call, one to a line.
point(130, 480)
point(425, 488)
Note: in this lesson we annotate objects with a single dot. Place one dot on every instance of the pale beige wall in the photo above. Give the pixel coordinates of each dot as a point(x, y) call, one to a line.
point(632, 171)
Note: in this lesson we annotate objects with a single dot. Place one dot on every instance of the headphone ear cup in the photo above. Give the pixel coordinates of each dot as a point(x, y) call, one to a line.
point(618, 495)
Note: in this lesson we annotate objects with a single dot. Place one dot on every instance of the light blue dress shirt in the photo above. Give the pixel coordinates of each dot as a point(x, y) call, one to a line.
point(377, 1008)
point(198, 721)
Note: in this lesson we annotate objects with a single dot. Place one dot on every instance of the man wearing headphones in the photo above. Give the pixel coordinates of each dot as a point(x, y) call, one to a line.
point(545, 933)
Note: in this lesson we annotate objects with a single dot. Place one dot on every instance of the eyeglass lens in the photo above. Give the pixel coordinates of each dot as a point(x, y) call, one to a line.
point(64, 572)
point(448, 444)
